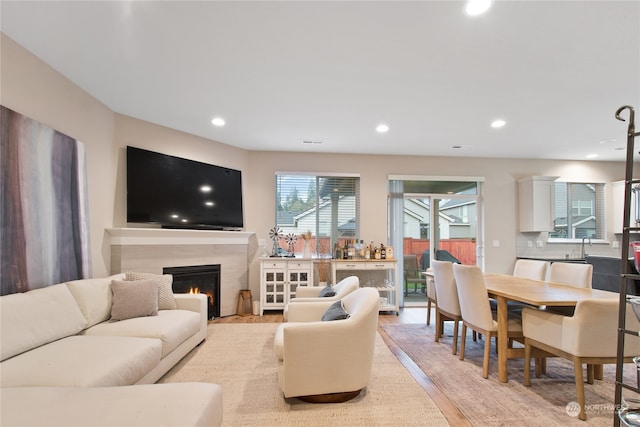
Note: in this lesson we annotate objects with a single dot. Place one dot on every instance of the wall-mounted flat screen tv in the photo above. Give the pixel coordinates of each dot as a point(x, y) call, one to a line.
point(179, 193)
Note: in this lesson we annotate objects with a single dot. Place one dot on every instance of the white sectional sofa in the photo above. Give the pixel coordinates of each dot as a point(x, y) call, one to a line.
point(58, 340)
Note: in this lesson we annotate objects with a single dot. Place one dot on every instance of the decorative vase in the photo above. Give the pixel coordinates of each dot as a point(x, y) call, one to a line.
point(306, 250)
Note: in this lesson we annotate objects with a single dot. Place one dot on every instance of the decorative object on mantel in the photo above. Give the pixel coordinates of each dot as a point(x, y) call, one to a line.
point(291, 242)
point(275, 233)
point(306, 250)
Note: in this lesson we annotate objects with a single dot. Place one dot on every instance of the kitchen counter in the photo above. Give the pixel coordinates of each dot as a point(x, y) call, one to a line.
point(578, 260)
point(606, 274)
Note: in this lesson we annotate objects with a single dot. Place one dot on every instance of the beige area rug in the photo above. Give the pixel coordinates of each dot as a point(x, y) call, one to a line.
point(488, 402)
point(240, 358)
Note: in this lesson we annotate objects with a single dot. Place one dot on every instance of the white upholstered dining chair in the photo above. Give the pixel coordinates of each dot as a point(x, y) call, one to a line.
point(531, 269)
point(448, 306)
point(588, 337)
point(476, 311)
point(573, 274)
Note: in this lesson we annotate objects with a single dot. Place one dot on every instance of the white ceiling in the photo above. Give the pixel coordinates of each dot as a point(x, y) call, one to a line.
point(283, 72)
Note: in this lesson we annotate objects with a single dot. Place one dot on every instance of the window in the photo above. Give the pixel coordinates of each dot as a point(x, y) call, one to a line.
point(328, 206)
point(578, 211)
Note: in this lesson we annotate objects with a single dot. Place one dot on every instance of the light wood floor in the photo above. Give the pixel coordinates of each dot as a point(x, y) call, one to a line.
point(406, 315)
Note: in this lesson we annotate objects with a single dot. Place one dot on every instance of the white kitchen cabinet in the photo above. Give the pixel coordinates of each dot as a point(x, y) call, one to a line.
point(536, 200)
point(617, 206)
point(379, 274)
point(279, 278)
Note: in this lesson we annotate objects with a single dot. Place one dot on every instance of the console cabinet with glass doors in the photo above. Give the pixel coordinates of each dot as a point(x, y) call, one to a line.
point(279, 278)
point(379, 274)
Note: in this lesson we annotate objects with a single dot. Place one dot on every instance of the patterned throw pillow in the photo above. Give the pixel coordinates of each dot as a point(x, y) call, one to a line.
point(166, 301)
point(134, 299)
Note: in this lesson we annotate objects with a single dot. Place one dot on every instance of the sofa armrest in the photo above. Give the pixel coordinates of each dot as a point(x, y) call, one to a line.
point(192, 302)
point(308, 311)
point(197, 303)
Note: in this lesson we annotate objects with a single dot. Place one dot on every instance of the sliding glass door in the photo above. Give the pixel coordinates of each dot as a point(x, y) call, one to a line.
point(433, 220)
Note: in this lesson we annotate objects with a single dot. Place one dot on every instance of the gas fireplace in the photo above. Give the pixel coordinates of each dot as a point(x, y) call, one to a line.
point(202, 279)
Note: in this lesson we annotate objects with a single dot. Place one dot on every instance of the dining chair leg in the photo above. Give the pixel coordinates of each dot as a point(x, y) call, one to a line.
point(454, 346)
point(439, 328)
point(590, 373)
point(487, 357)
point(527, 364)
point(428, 312)
point(577, 371)
point(598, 371)
point(462, 342)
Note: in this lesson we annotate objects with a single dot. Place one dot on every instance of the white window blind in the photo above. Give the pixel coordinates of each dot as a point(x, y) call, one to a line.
point(328, 206)
point(579, 211)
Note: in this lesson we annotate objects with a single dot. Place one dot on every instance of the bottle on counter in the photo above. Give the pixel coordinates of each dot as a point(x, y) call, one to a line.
point(383, 252)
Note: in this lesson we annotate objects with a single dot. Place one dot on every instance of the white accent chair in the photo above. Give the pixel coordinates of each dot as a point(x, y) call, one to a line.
point(531, 269)
point(328, 361)
point(305, 294)
point(342, 288)
point(477, 313)
point(588, 337)
point(448, 305)
point(573, 274)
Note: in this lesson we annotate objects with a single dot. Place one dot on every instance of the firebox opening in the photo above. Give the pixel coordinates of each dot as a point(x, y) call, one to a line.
point(202, 279)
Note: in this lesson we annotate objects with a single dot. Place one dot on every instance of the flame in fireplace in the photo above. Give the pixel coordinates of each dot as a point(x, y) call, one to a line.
point(193, 290)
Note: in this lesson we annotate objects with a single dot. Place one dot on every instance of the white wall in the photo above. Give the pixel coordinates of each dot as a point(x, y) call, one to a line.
point(32, 88)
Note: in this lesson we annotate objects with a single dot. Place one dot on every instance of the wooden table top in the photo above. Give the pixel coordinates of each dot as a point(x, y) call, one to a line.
point(539, 293)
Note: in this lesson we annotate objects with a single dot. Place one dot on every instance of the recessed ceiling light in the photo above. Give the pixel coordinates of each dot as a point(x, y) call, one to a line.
point(206, 189)
point(382, 128)
point(498, 123)
point(607, 141)
point(208, 203)
point(477, 7)
point(591, 156)
point(217, 121)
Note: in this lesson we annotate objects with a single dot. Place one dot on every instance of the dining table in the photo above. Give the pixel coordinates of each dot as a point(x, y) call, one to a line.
point(538, 294)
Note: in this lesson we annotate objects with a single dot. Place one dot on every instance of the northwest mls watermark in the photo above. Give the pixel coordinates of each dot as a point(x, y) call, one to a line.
point(573, 408)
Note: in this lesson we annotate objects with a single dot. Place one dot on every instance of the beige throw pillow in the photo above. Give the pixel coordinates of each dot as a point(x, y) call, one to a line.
point(166, 301)
point(137, 298)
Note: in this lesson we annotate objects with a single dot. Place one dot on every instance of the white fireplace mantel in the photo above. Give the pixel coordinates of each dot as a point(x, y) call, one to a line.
point(152, 249)
point(167, 236)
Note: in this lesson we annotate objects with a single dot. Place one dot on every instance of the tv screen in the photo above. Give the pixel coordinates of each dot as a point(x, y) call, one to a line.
point(180, 193)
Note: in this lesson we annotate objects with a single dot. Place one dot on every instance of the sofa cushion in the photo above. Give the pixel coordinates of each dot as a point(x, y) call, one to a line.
point(335, 312)
point(134, 299)
point(152, 405)
point(37, 317)
point(94, 297)
point(83, 361)
point(166, 301)
point(172, 327)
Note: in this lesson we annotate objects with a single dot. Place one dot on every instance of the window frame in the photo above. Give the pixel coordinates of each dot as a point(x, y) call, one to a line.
point(316, 176)
point(598, 211)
